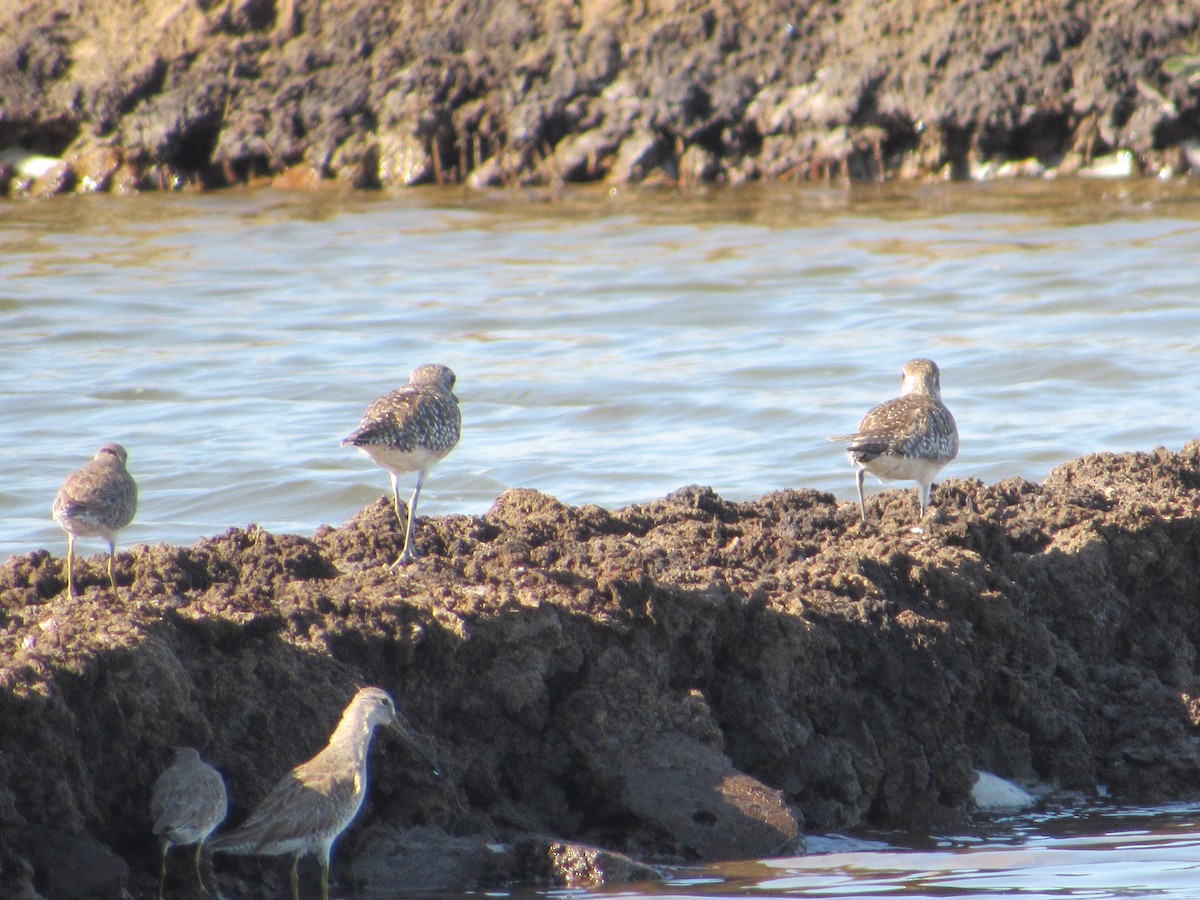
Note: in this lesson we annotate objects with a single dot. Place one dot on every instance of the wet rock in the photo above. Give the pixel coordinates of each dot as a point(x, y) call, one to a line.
point(95, 168)
point(298, 178)
point(639, 154)
point(56, 180)
point(571, 865)
point(389, 861)
point(127, 179)
point(585, 157)
point(699, 165)
point(404, 159)
point(704, 807)
point(490, 173)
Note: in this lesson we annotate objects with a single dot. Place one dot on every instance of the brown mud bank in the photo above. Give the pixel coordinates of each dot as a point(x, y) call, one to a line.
point(114, 95)
point(690, 679)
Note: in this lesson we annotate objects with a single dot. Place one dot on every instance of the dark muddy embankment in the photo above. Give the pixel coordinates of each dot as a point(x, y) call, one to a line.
point(161, 93)
point(690, 679)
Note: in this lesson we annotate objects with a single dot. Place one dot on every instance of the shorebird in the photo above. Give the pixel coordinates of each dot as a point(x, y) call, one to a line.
point(187, 803)
point(97, 500)
point(909, 438)
point(314, 803)
point(410, 430)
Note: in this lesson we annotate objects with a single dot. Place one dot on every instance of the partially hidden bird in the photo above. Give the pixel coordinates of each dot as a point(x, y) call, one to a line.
point(187, 804)
point(309, 808)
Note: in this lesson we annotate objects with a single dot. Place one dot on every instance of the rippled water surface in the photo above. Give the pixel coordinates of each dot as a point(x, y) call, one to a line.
point(1068, 853)
point(610, 347)
point(1110, 854)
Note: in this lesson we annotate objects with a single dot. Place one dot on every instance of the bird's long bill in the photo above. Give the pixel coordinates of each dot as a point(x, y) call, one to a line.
point(402, 728)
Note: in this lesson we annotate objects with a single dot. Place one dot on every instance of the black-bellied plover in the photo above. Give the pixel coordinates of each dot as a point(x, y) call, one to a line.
point(187, 804)
point(909, 438)
point(410, 430)
point(314, 803)
point(97, 500)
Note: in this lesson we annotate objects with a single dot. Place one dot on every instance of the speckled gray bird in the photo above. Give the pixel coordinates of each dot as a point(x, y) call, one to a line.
point(910, 438)
point(188, 803)
point(313, 804)
point(411, 429)
point(97, 500)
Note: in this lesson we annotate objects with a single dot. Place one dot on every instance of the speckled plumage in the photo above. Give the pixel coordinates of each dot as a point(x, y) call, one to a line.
point(188, 803)
point(97, 500)
point(910, 438)
point(313, 804)
point(411, 429)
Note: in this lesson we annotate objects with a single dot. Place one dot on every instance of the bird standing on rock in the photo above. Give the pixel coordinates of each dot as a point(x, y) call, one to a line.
point(188, 802)
point(97, 500)
point(910, 438)
point(411, 429)
point(314, 803)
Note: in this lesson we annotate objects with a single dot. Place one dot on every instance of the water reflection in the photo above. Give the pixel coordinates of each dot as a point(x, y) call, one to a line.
point(1096, 853)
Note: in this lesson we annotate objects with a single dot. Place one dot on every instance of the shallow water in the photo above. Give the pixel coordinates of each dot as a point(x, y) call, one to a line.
point(610, 346)
point(1101, 854)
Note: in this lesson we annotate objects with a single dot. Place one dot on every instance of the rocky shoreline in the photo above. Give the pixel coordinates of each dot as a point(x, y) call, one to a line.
point(690, 679)
point(101, 95)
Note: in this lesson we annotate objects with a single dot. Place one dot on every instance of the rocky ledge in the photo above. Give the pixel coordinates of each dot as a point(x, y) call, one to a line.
point(692, 679)
point(113, 95)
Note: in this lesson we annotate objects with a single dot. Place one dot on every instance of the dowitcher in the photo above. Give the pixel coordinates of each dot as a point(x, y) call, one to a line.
point(97, 500)
point(411, 429)
point(909, 438)
point(187, 803)
point(314, 803)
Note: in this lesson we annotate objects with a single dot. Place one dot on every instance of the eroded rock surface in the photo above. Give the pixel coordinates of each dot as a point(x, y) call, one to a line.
point(688, 679)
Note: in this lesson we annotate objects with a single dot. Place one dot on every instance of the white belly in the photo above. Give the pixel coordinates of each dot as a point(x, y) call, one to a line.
point(397, 462)
point(897, 468)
